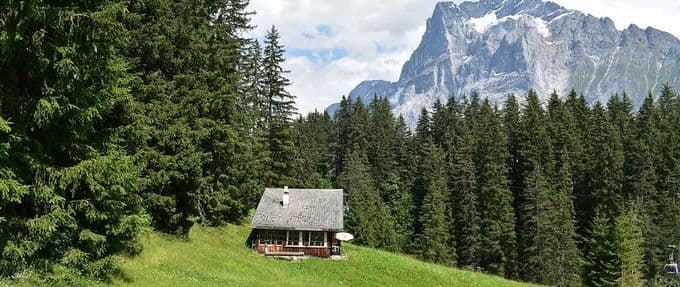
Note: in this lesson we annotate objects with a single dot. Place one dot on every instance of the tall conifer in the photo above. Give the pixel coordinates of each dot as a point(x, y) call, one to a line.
point(495, 197)
point(367, 216)
point(464, 202)
point(280, 109)
point(434, 238)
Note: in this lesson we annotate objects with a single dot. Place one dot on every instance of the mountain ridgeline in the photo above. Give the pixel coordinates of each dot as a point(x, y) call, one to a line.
point(498, 47)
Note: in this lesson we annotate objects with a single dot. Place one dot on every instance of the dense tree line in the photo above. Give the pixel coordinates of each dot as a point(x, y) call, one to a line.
point(117, 116)
point(557, 192)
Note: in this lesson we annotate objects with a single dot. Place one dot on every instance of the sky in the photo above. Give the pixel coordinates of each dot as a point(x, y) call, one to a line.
point(333, 45)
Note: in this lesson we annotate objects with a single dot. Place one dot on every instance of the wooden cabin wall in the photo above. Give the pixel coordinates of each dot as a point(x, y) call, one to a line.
point(307, 250)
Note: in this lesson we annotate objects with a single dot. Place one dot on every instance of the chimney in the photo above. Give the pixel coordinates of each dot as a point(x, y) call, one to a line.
point(286, 197)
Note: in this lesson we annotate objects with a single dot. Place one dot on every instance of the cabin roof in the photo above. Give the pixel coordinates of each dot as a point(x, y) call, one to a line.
point(308, 209)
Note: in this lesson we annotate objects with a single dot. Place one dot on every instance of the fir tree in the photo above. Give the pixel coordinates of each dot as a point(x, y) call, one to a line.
point(367, 216)
point(544, 207)
point(533, 200)
point(464, 202)
point(382, 143)
point(423, 136)
point(561, 129)
point(511, 124)
point(251, 71)
point(343, 128)
point(423, 127)
point(534, 236)
point(668, 167)
point(192, 130)
point(497, 222)
point(583, 129)
point(69, 194)
point(311, 165)
point(512, 127)
point(566, 254)
point(404, 209)
point(601, 266)
point(279, 109)
point(440, 124)
point(641, 180)
point(629, 245)
point(606, 166)
point(434, 237)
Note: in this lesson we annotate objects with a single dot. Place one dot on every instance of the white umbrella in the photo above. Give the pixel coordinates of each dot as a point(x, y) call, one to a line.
point(344, 236)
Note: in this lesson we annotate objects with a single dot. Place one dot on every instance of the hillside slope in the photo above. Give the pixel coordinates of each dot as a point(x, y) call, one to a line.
point(218, 257)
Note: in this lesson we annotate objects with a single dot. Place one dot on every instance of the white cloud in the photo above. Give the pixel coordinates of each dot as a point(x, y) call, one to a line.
point(358, 26)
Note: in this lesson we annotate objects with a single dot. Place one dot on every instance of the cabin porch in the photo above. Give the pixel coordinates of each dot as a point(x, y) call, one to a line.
point(296, 242)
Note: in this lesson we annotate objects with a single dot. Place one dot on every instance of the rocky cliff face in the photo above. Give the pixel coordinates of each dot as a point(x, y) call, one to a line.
point(498, 47)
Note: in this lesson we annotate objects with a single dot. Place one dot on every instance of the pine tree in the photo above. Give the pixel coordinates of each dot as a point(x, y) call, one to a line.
point(367, 216)
point(495, 197)
point(440, 124)
point(641, 180)
point(513, 129)
point(605, 186)
point(583, 133)
point(532, 199)
point(403, 206)
point(601, 266)
point(423, 127)
point(629, 241)
point(567, 255)
point(383, 144)
point(544, 208)
point(343, 127)
point(464, 203)
point(312, 137)
point(69, 194)
point(434, 237)
point(193, 126)
point(668, 167)
point(12, 192)
point(280, 109)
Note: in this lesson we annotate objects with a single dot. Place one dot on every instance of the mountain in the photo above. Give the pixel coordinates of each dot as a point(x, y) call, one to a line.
point(498, 47)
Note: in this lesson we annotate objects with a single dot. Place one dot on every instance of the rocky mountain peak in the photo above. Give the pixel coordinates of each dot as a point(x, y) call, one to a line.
point(498, 47)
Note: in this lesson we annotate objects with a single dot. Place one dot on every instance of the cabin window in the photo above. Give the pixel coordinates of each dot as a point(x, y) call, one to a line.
point(272, 237)
point(317, 238)
point(294, 238)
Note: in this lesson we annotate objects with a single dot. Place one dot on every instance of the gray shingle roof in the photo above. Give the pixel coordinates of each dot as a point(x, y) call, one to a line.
point(309, 209)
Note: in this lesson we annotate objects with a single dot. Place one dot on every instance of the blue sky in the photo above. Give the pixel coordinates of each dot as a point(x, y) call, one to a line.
point(333, 45)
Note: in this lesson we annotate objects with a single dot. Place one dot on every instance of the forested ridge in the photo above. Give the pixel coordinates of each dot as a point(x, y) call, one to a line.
point(119, 116)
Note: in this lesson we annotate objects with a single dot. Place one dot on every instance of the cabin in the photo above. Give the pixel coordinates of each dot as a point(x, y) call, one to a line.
point(298, 222)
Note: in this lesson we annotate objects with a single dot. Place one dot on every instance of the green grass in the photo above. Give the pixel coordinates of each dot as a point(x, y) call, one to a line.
point(219, 257)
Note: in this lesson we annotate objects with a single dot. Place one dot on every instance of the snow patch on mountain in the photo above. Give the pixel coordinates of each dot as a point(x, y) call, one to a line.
point(482, 23)
point(542, 27)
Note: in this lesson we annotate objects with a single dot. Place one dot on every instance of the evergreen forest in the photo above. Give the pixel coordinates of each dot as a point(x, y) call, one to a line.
point(118, 117)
